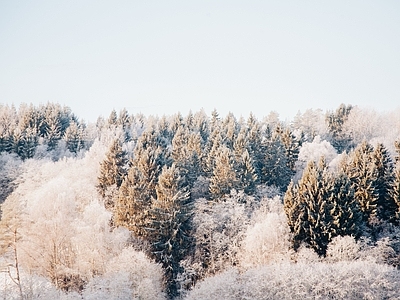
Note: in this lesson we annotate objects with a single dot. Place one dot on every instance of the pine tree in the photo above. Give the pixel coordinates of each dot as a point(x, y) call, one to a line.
point(335, 121)
point(395, 192)
point(255, 145)
point(276, 170)
point(113, 118)
point(386, 207)
point(296, 214)
point(292, 147)
point(397, 147)
point(211, 150)
point(318, 206)
point(74, 137)
point(138, 189)
point(246, 174)
point(223, 176)
point(346, 213)
point(168, 231)
point(112, 171)
point(363, 175)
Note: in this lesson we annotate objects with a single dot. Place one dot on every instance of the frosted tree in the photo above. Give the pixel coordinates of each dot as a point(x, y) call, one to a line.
point(211, 149)
point(25, 142)
point(187, 152)
point(397, 147)
point(75, 137)
point(246, 174)
point(230, 129)
point(275, 170)
point(292, 146)
point(137, 191)
point(223, 177)
point(340, 139)
point(218, 229)
point(169, 228)
point(112, 171)
point(363, 175)
point(395, 192)
point(10, 227)
point(386, 206)
point(345, 210)
point(320, 207)
point(254, 142)
point(112, 119)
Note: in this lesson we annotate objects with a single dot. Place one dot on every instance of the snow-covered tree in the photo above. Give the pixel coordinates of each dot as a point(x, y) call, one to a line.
point(363, 175)
point(223, 176)
point(169, 228)
point(112, 171)
point(340, 138)
point(386, 206)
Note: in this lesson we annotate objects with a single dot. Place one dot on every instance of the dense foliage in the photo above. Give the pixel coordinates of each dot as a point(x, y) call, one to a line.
point(199, 207)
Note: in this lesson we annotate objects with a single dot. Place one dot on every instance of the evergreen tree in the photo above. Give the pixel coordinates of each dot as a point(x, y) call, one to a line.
point(135, 194)
point(292, 147)
point(229, 130)
point(255, 145)
point(25, 142)
point(346, 213)
point(211, 150)
point(296, 213)
point(74, 137)
point(276, 170)
point(397, 147)
point(363, 175)
point(113, 118)
point(395, 192)
point(246, 174)
point(184, 157)
point(386, 206)
point(169, 228)
point(320, 207)
point(138, 189)
point(112, 171)
point(340, 139)
point(224, 176)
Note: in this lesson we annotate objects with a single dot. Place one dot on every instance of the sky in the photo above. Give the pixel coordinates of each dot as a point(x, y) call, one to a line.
point(161, 57)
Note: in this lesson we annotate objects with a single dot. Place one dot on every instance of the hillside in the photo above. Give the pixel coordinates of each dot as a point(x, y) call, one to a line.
point(198, 206)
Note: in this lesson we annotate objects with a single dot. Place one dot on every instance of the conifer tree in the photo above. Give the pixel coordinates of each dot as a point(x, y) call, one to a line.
point(138, 189)
point(346, 213)
point(136, 192)
point(229, 130)
point(74, 137)
point(113, 118)
point(112, 171)
point(292, 147)
point(211, 150)
point(321, 207)
point(335, 121)
point(255, 145)
point(386, 206)
point(296, 213)
point(169, 228)
point(397, 148)
point(276, 170)
point(363, 175)
point(395, 192)
point(246, 174)
point(223, 176)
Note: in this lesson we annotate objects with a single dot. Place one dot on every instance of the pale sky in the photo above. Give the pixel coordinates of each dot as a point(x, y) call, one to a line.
point(161, 57)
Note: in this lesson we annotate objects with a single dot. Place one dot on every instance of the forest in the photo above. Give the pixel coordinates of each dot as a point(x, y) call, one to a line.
point(199, 206)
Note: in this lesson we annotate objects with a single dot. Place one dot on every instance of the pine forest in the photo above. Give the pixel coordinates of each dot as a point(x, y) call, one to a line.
point(199, 206)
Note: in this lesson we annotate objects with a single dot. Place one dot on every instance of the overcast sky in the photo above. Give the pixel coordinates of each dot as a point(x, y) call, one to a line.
point(161, 57)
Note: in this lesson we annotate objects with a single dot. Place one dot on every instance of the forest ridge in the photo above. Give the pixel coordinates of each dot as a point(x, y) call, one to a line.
point(198, 206)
